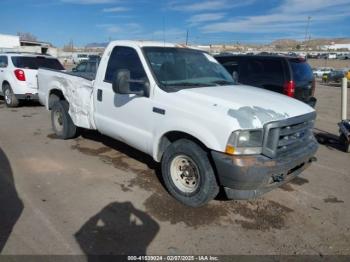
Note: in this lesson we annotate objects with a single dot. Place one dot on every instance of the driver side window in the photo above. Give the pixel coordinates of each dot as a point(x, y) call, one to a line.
point(3, 61)
point(125, 58)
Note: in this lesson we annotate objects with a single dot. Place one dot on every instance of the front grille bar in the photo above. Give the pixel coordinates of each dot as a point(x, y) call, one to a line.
point(289, 134)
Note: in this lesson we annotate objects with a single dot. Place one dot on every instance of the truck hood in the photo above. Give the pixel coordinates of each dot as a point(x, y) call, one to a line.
point(251, 107)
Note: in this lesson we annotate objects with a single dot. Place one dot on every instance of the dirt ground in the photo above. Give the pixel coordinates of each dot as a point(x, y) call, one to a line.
point(335, 63)
point(94, 195)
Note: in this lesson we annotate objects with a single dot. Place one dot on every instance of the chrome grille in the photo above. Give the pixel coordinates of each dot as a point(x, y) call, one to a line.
point(282, 137)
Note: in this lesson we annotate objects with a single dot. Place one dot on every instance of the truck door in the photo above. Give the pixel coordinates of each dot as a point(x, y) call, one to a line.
point(123, 116)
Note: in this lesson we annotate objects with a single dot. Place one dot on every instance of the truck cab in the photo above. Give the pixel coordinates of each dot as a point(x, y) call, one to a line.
point(180, 106)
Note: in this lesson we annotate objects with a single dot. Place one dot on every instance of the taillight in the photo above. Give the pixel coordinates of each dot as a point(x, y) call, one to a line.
point(289, 88)
point(20, 75)
point(313, 87)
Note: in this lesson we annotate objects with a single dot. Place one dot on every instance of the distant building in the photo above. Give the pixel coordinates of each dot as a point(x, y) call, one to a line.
point(336, 47)
point(9, 41)
point(14, 43)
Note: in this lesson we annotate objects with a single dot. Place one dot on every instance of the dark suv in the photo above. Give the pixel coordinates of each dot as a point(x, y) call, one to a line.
point(291, 76)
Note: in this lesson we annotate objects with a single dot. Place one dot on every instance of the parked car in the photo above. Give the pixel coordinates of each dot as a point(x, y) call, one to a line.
point(18, 75)
point(79, 57)
point(343, 56)
point(87, 69)
point(333, 76)
point(322, 70)
point(180, 106)
point(287, 75)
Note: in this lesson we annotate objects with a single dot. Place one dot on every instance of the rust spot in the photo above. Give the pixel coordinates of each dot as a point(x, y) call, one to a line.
point(287, 187)
point(14, 110)
point(251, 161)
point(299, 181)
point(253, 215)
point(332, 199)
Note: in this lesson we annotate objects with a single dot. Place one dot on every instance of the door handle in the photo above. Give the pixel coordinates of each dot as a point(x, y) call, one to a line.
point(99, 95)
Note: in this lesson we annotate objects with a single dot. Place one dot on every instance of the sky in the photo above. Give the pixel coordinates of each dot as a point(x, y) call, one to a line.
point(207, 21)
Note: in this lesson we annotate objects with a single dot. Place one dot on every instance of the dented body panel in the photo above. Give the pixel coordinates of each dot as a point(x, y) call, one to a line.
point(76, 90)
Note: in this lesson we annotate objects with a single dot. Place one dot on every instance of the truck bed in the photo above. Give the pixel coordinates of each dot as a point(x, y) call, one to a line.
point(77, 91)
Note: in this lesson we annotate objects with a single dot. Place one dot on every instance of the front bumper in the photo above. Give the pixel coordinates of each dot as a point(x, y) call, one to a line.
point(248, 177)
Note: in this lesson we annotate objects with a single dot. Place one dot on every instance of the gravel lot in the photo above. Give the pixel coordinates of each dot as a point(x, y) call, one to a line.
point(94, 195)
point(335, 63)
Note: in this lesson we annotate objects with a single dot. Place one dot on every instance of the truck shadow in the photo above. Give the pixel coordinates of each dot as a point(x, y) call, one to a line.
point(126, 150)
point(11, 205)
point(118, 229)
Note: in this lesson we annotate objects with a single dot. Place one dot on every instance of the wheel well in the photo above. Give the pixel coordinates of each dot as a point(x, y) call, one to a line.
point(173, 136)
point(55, 95)
point(3, 83)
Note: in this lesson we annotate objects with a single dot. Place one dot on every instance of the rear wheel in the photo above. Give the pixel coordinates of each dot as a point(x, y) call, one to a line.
point(61, 121)
point(188, 173)
point(9, 96)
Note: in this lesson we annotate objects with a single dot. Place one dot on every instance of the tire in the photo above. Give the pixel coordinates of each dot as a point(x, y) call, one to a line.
point(61, 121)
point(9, 96)
point(345, 143)
point(188, 174)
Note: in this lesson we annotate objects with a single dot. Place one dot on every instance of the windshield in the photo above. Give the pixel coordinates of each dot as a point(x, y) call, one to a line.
point(28, 62)
point(185, 68)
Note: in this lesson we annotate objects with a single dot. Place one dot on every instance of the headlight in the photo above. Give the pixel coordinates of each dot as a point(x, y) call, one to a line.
point(245, 142)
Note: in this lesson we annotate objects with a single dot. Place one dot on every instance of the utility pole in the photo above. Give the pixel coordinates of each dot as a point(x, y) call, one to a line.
point(307, 29)
point(187, 37)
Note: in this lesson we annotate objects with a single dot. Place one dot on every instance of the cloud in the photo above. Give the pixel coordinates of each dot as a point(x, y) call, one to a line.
point(89, 2)
point(170, 35)
point(207, 5)
point(290, 17)
point(125, 29)
point(115, 9)
point(205, 17)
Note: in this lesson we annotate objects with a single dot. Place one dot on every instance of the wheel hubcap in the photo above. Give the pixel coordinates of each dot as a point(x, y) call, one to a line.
point(58, 121)
point(8, 97)
point(184, 173)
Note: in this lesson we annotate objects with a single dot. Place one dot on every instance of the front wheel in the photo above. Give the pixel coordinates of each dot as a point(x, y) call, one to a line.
point(61, 121)
point(188, 174)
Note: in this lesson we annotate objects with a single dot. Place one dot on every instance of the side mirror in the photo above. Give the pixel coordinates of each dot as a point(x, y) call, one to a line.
point(235, 77)
point(121, 84)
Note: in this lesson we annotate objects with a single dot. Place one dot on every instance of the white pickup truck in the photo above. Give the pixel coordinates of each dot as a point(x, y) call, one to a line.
point(180, 106)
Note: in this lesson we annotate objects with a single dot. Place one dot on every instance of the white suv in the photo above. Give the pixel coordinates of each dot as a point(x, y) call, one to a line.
point(18, 75)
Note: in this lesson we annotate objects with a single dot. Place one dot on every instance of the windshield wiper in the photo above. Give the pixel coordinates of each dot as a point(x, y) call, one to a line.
point(188, 84)
point(223, 82)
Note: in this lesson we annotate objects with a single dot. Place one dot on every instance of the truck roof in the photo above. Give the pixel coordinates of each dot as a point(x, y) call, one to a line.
point(140, 43)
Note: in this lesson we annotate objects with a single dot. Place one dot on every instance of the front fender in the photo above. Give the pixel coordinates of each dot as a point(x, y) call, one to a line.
point(203, 134)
